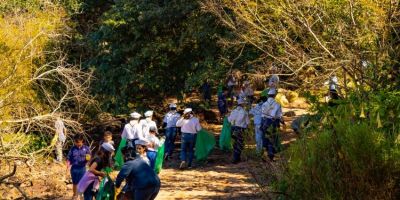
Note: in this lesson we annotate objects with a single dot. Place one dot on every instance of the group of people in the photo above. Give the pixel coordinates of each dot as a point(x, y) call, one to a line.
point(140, 153)
point(267, 117)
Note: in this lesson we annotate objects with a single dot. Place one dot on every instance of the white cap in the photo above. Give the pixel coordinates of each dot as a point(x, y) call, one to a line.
point(148, 113)
point(187, 110)
point(172, 105)
point(272, 91)
point(135, 115)
point(107, 146)
point(141, 142)
point(241, 101)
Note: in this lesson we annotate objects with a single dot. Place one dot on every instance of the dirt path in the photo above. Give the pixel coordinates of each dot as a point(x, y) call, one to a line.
point(216, 179)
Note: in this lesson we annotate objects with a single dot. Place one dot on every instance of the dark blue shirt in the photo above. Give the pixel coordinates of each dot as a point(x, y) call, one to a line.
point(77, 156)
point(138, 174)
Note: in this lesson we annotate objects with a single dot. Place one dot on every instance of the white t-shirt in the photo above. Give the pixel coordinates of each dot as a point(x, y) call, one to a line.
point(146, 124)
point(133, 130)
point(239, 117)
point(191, 125)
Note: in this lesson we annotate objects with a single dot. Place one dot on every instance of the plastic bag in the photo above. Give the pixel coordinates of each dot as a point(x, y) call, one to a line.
point(106, 189)
point(119, 158)
point(205, 142)
point(225, 141)
point(159, 159)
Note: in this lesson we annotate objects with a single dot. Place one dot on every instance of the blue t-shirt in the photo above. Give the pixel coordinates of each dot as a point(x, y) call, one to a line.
point(77, 156)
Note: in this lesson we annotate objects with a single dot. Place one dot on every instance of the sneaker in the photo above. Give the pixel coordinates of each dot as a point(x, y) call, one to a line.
point(183, 165)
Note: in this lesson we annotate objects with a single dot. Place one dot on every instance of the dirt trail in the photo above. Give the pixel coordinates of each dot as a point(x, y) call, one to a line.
point(216, 179)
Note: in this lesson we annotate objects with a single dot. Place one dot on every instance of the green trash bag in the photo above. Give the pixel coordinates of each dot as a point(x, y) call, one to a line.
point(205, 142)
point(225, 140)
point(159, 159)
point(119, 158)
point(106, 189)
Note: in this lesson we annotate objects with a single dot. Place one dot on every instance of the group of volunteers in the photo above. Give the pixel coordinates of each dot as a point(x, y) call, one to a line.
point(142, 143)
point(267, 115)
point(139, 153)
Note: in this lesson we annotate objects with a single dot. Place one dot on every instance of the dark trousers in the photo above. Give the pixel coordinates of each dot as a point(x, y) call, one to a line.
point(149, 193)
point(269, 138)
point(170, 134)
point(238, 142)
point(89, 194)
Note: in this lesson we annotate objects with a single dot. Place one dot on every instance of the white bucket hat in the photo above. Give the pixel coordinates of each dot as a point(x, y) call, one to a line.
point(141, 142)
point(148, 113)
point(172, 105)
point(135, 115)
point(187, 110)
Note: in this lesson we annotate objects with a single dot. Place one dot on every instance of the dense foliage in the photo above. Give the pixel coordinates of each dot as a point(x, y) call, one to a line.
point(151, 49)
point(350, 154)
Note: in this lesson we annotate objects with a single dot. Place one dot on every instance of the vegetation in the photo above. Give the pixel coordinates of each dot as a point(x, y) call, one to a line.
point(63, 58)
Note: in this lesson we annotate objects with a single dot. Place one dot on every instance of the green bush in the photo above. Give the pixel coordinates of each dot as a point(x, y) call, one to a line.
point(345, 156)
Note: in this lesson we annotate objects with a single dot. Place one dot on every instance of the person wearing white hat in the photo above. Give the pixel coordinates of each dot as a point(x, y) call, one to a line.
point(271, 116)
point(141, 149)
point(90, 180)
point(169, 123)
point(239, 119)
point(133, 130)
point(152, 146)
point(147, 123)
point(190, 125)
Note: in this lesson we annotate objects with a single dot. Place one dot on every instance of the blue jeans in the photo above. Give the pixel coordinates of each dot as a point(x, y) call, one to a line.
point(187, 147)
point(170, 134)
point(259, 138)
point(152, 156)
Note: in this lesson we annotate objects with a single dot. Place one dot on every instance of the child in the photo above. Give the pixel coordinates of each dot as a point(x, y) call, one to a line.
point(141, 148)
point(78, 156)
point(152, 147)
point(107, 138)
point(89, 183)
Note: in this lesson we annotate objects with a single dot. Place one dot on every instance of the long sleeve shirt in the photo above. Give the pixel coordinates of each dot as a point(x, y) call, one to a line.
point(256, 111)
point(138, 175)
point(171, 118)
point(239, 117)
point(146, 124)
point(133, 130)
point(271, 109)
point(154, 139)
point(191, 125)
